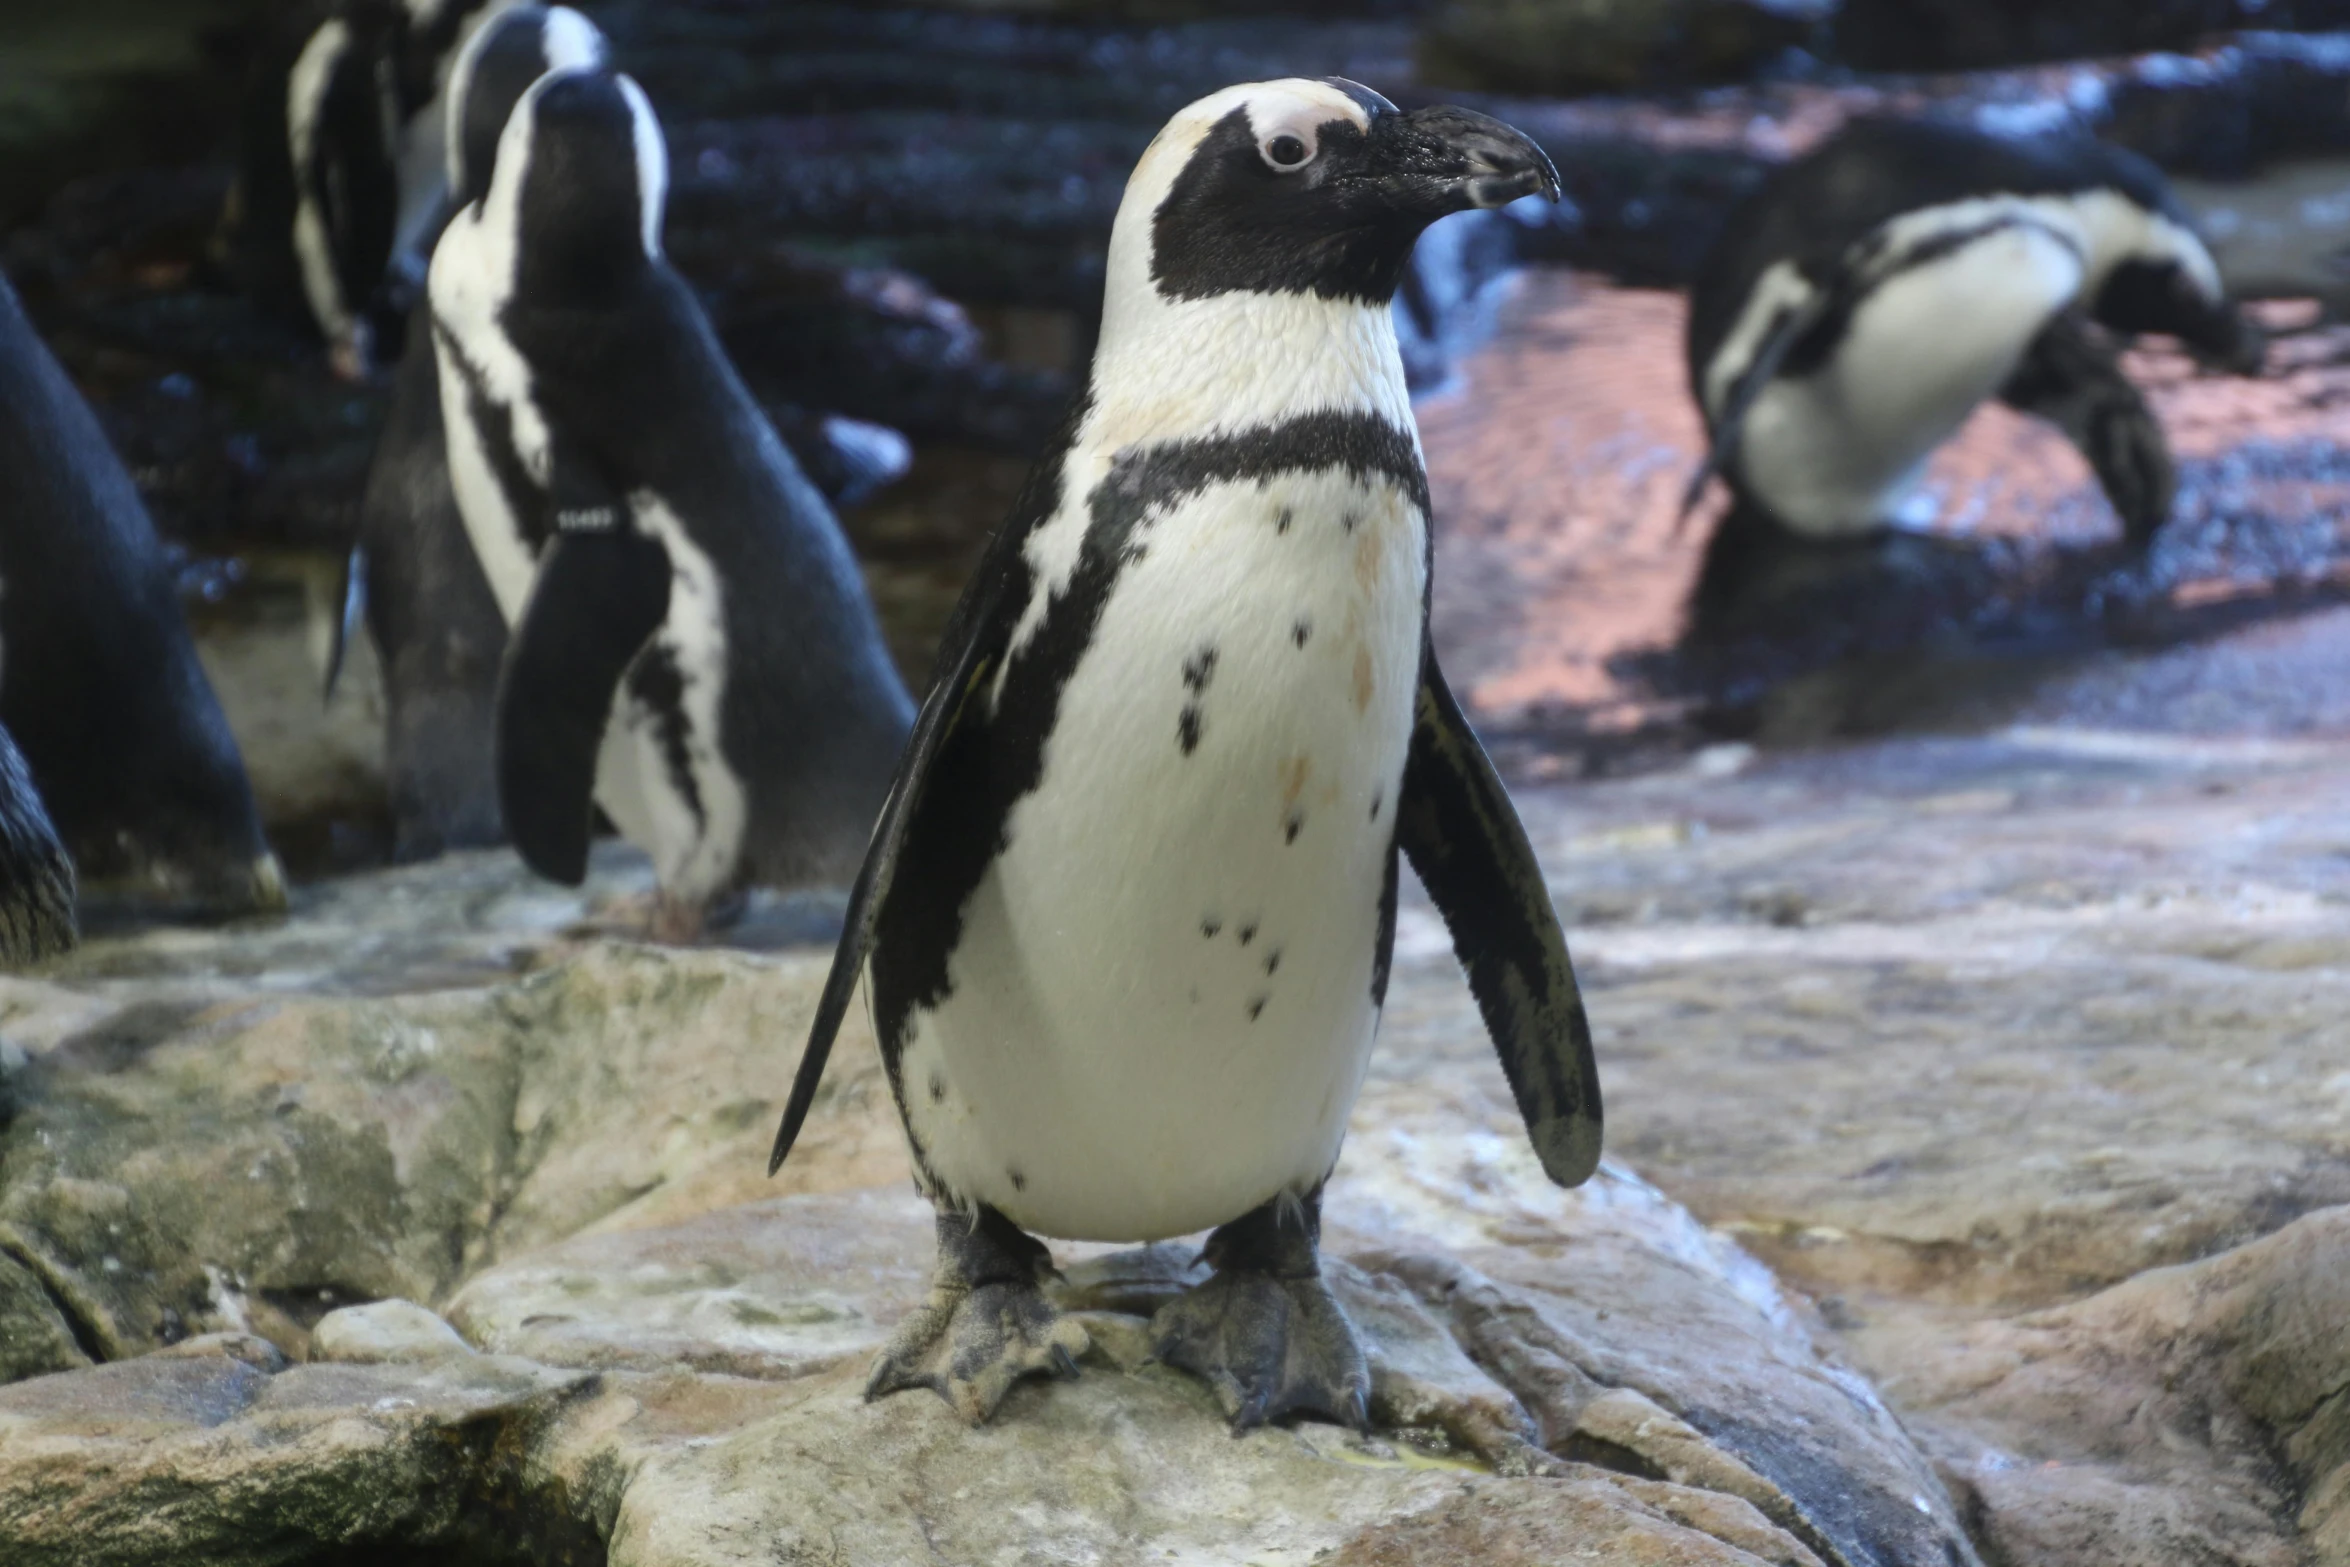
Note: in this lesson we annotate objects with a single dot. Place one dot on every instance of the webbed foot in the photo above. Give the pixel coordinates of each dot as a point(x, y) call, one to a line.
point(1264, 1332)
point(986, 1324)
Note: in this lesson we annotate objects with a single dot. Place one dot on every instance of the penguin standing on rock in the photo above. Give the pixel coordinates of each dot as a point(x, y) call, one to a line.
point(1127, 917)
point(434, 621)
point(1862, 302)
point(691, 645)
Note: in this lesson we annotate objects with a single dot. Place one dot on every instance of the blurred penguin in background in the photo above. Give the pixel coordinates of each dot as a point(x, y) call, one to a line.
point(691, 648)
point(436, 626)
point(1860, 304)
point(437, 630)
point(99, 681)
point(364, 116)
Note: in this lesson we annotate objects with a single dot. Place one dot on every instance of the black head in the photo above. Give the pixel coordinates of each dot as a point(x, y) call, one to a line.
point(582, 176)
point(500, 61)
point(2174, 296)
point(1316, 187)
point(2166, 280)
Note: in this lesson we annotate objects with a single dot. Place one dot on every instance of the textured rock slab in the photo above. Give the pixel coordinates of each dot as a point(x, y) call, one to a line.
point(723, 1421)
point(188, 1153)
point(1129, 1469)
point(385, 1332)
point(1634, 1341)
point(775, 1289)
point(2194, 1413)
point(210, 1458)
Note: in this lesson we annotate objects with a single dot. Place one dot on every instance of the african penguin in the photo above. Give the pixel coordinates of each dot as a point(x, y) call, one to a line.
point(99, 681)
point(1860, 304)
point(436, 626)
point(1127, 918)
point(692, 649)
point(363, 120)
point(36, 876)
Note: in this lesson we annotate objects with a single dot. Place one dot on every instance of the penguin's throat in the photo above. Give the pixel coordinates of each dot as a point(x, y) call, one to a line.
point(1178, 370)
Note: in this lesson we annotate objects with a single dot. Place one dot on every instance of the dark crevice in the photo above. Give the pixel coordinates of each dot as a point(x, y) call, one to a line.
point(86, 1335)
point(305, 1304)
point(1582, 1448)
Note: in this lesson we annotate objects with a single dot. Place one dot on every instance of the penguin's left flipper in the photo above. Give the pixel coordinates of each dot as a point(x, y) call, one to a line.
point(601, 591)
point(350, 604)
point(2074, 381)
point(1464, 838)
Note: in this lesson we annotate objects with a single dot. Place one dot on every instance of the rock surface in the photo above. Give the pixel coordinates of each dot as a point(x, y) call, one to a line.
point(2014, 1056)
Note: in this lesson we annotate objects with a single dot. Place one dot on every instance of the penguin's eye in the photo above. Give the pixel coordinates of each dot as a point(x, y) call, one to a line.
point(1287, 152)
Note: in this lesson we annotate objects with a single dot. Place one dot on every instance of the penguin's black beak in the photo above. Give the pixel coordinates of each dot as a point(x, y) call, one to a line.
point(1442, 159)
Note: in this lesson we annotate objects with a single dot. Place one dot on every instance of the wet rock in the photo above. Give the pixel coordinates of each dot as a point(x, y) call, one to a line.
point(806, 1288)
point(2197, 1412)
point(1577, 46)
point(710, 1390)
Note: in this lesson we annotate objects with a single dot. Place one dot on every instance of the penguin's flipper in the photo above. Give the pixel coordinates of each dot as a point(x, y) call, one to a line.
point(1730, 422)
point(601, 591)
point(974, 643)
point(1464, 838)
point(350, 604)
point(2075, 382)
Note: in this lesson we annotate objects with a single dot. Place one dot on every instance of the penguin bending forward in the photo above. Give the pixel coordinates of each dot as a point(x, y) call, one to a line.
point(691, 645)
point(99, 680)
point(1127, 917)
point(1858, 306)
point(36, 877)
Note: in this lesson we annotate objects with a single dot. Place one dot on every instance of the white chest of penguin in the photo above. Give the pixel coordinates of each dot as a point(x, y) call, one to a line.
point(1161, 1004)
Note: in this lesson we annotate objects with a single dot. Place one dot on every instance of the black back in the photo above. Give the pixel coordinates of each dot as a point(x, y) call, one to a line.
point(1813, 210)
point(508, 56)
point(640, 396)
point(436, 625)
point(98, 677)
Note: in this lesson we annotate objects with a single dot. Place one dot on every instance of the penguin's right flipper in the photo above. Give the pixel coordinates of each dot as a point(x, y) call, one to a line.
point(973, 648)
point(2075, 382)
point(1727, 425)
point(974, 643)
point(1464, 838)
point(600, 593)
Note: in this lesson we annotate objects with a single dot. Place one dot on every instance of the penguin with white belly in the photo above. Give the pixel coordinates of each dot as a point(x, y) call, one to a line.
point(1127, 917)
point(691, 648)
point(429, 610)
point(1868, 296)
